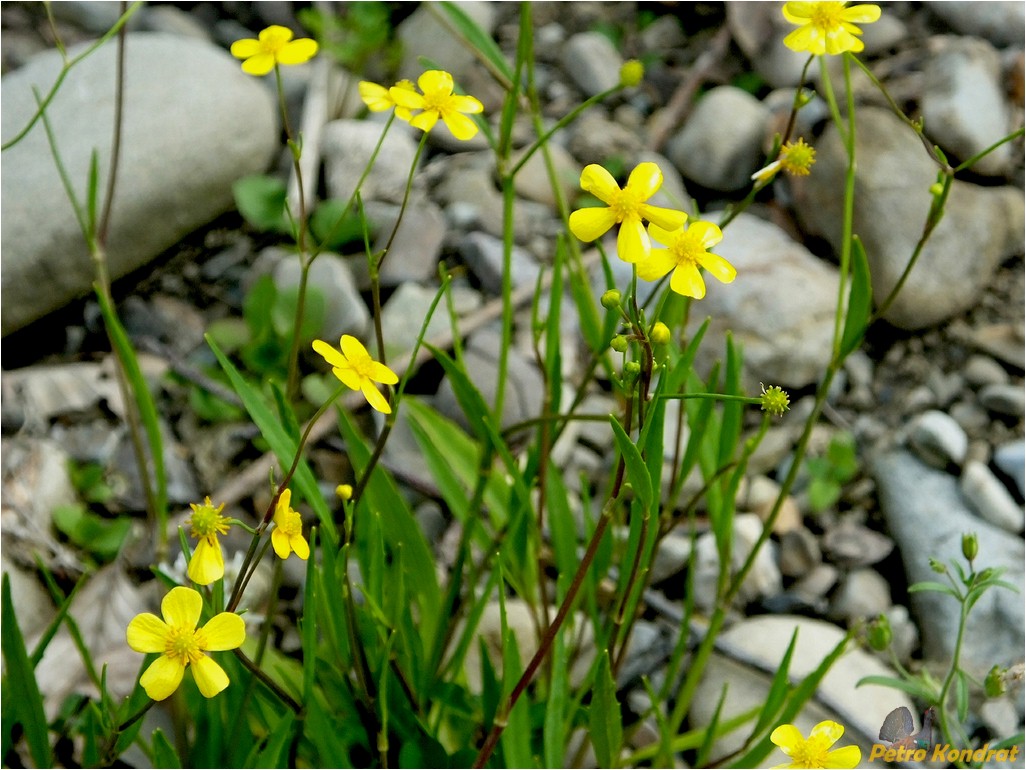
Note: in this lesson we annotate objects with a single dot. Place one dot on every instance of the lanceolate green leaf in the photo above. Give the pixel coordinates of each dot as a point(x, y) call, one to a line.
point(605, 719)
point(860, 300)
point(637, 472)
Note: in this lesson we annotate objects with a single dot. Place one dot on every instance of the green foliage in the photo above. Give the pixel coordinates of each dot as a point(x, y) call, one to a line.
point(832, 471)
point(93, 533)
point(356, 35)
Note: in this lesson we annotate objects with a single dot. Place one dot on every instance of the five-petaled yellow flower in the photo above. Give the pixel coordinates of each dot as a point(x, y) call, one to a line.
point(275, 46)
point(827, 27)
point(625, 207)
point(687, 250)
point(287, 535)
point(180, 643)
point(379, 99)
point(438, 101)
point(815, 752)
point(207, 562)
point(357, 370)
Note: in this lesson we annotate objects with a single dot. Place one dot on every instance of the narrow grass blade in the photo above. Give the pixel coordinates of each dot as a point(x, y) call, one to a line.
point(478, 38)
point(637, 471)
point(605, 719)
point(860, 300)
point(164, 754)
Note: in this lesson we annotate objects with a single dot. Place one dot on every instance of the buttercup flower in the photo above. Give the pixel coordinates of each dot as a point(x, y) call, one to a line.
point(626, 207)
point(379, 99)
point(275, 46)
point(815, 752)
point(207, 562)
point(796, 158)
point(827, 27)
point(438, 101)
point(181, 643)
point(687, 250)
point(775, 400)
point(357, 370)
point(287, 535)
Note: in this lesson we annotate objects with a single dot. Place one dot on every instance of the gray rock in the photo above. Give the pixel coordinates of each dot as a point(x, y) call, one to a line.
point(758, 29)
point(672, 194)
point(1010, 459)
point(33, 607)
point(182, 487)
point(90, 15)
point(194, 123)
point(423, 34)
point(347, 146)
point(891, 202)
point(672, 554)
point(927, 516)
point(799, 552)
point(524, 386)
point(905, 635)
point(786, 342)
point(762, 581)
point(999, 22)
point(594, 138)
point(818, 582)
point(851, 544)
point(984, 370)
point(174, 21)
point(963, 104)
point(748, 654)
point(404, 313)
point(532, 181)
point(344, 309)
point(416, 247)
point(863, 593)
point(990, 499)
point(483, 254)
point(1005, 341)
point(1004, 400)
point(938, 439)
point(970, 416)
point(720, 145)
point(591, 59)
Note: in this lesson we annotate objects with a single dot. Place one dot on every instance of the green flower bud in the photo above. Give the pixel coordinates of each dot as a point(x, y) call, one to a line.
point(880, 633)
point(611, 299)
point(631, 370)
point(985, 575)
point(970, 546)
point(994, 684)
point(775, 401)
point(619, 343)
point(938, 567)
point(936, 189)
point(660, 333)
point(631, 73)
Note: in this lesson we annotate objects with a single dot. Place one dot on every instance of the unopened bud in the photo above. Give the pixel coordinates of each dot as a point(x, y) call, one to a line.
point(660, 333)
point(880, 633)
point(994, 684)
point(344, 491)
point(970, 546)
point(610, 299)
point(631, 73)
point(619, 343)
point(938, 567)
point(631, 370)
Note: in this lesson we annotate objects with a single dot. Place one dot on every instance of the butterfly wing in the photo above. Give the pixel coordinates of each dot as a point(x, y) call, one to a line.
point(897, 725)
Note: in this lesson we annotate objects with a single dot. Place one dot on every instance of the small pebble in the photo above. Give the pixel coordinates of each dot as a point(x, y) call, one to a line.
point(990, 499)
point(1004, 400)
point(1010, 459)
point(984, 370)
point(938, 439)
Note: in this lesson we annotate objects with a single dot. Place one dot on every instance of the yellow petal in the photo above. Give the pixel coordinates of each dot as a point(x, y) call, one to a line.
point(787, 736)
point(645, 180)
point(348, 376)
point(632, 243)
point(210, 677)
point(181, 607)
point(258, 65)
point(599, 182)
point(381, 373)
point(718, 267)
point(404, 97)
point(804, 39)
point(425, 121)
point(329, 354)
point(281, 508)
point(207, 562)
point(846, 757)
point(707, 233)
point(861, 14)
point(224, 631)
point(686, 280)
point(436, 81)
point(466, 104)
point(162, 677)
point(298, 51)
point(798, 12)
point(147, 633)
point(658, 264)
point(663, 235)
point(462, 127)
point(827, 731)
point(374, 397)
point(243, 49)
point(280, 541)
point(275, 34)
point(300, 546)
point(374, 96)
point(591, 223)
point(352, 348)
point(668, 219)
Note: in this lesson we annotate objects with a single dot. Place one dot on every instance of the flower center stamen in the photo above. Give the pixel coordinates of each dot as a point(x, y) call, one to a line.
point(183, 644)
point(207, 520)
point(292, 524)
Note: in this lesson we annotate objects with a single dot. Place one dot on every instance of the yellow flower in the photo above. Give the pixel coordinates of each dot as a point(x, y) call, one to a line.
point(344, 491)
point(827, 27)
point(379, 99)
point(626, 207)
point(687, 251)
point(181, 643)
point(796, 158)
point(274, 47)
point(207, 562)
point(287, 535)
point(357, 370)
point(438, 101)
point(814, 751)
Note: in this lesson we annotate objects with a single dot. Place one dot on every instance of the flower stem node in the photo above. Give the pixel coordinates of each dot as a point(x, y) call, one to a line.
point(181, 644)
point(619, 343)
point(775, 401)
point(610, 299)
